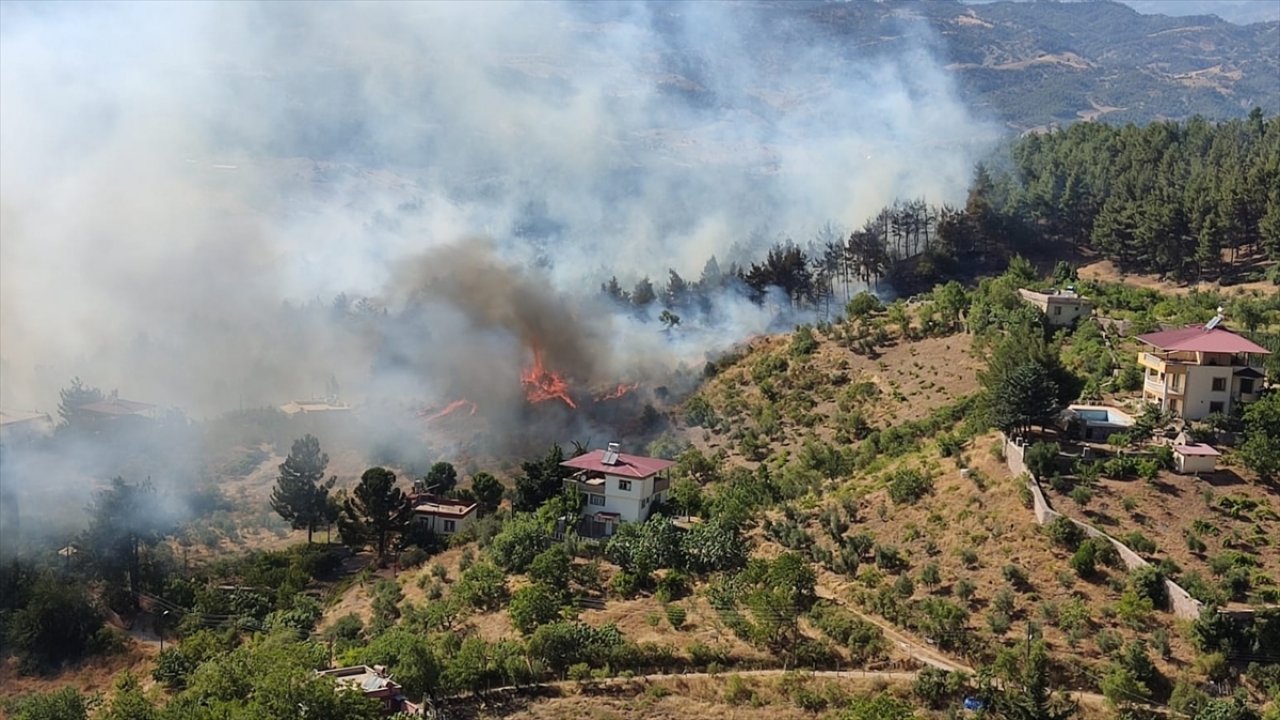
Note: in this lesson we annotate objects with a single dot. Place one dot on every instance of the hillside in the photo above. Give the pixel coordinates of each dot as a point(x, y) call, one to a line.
point(1033, 64)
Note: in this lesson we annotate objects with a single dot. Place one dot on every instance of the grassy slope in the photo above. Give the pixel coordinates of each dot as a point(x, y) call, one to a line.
point(992, 519)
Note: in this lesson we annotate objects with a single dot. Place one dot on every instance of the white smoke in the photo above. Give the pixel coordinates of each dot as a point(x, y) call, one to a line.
point(171, 174)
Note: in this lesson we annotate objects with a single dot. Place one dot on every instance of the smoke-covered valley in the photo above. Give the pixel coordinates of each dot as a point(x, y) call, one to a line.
point(186, 188)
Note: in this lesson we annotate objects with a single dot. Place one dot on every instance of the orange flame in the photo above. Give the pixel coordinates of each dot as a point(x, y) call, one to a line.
point(621, 390)
point(541, 384)
point(449, 409)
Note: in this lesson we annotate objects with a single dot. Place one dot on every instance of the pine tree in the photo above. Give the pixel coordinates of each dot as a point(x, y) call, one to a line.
point(301, 494)
point(376, 511)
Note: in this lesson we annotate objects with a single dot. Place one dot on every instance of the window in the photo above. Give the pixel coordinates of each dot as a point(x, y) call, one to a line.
point(1246, 386)
point(1219, 384)
point(1057, 309)
point(1215, 407)
point(624, 485)
point(450, 526)
point(644, 502)
point(596, 499)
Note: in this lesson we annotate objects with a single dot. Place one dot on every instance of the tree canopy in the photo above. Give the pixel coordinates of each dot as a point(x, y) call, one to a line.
point(301, 494)
point(376, 511)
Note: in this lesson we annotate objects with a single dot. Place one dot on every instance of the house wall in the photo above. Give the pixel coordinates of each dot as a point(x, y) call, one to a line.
point(1199, 391)
point(435, 523)
point(1190, 464)
point(632, 505)
point(1065, 312)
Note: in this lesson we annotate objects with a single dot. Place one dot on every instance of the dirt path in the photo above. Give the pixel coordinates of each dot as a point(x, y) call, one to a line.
point(906, 643)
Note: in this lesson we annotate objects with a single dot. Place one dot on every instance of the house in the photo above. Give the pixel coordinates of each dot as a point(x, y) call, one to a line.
point(1060, 307)
point(443, 516)
point(618, 487)
point(375, 683)
point(17, 426)
point(1195, 458)
point(116, 408)
point(1199, 370)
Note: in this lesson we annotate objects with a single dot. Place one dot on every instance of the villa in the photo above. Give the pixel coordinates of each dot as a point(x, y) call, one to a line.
point(1196, 371)
point(618, 487)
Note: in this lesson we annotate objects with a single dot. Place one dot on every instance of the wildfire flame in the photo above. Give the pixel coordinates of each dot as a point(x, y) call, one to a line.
point(449, 409)
point(621, 390)
point(541, 384)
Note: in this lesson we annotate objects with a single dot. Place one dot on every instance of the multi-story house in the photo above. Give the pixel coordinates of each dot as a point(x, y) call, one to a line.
point(618, 487)
point(1195, 371)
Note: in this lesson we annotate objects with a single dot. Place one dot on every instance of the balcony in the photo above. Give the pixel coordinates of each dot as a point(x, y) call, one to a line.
point(1154, 386)
point(1148, 360)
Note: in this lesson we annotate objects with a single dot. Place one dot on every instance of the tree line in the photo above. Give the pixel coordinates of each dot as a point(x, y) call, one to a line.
point(1169, 198)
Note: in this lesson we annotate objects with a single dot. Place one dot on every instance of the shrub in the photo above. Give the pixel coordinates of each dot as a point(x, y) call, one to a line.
point(1085, 560)
point(908, 485)
point(482, 586)
point(1064, 532)
point(520, 541)
point(1081, 494)
point(1139, 543)
point(412, 557)
point(532, 606)
point(1148, 582)
point(676, 616)
point(1042, 459)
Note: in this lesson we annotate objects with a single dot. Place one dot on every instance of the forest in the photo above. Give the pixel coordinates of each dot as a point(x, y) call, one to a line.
point(1193, 201)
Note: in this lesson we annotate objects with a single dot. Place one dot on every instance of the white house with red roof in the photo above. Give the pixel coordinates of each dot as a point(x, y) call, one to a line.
point(618, 487)
point(1199, 370)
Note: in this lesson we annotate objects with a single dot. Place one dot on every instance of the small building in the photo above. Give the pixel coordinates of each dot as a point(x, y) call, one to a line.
point(375, 683)
point(311, 407)
point(619, 487)
point(1060, 307)
point(1200, 370)
point(443, 516)
point(1195, 458)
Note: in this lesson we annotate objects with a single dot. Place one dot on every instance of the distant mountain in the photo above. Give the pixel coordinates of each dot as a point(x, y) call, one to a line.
point(1241, 12)
point(1034, 64)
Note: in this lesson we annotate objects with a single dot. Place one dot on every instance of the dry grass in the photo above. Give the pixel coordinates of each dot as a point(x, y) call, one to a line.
point(1106, 271)
point(94, 675)
point(1166, 511)
point(913, 378)
point(992, 522)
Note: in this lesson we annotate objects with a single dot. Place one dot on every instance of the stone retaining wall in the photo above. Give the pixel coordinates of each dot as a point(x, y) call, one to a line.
point(1181, 604)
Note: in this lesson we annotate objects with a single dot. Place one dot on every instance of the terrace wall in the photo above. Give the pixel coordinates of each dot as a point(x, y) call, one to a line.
point(1181, 604)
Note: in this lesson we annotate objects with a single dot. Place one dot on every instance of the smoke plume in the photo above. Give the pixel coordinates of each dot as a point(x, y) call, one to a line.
point(173, 175)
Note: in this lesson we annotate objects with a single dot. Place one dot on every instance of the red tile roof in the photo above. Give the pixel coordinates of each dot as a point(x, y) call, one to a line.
point(635, 466)
point(1196, 339)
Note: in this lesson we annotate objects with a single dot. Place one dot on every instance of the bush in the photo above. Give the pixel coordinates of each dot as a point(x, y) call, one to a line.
point(412, 557)
point(907, 485)
point(56, 623)
point(520, 541)
point(1042, 459)
point(482, 586)
point(1065, 533)
point(676, 616)
point(532, 606)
